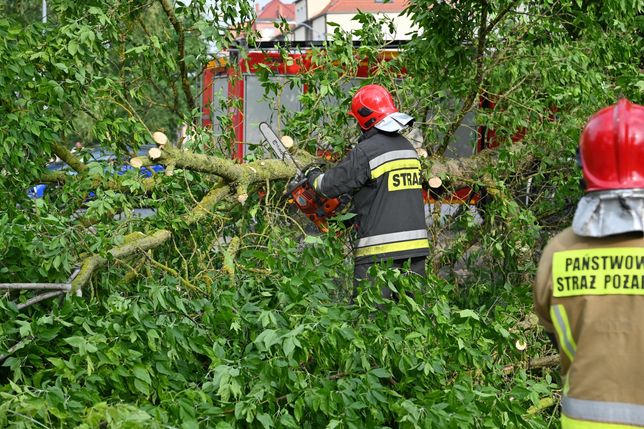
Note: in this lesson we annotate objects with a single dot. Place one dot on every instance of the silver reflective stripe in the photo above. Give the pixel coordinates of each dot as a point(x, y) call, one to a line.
point(391, 156)
point(391, 238)
point(564, 331)
point(600, 411)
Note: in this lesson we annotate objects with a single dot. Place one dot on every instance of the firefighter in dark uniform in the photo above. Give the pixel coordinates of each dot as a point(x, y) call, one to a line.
point(383, 174)
point(589, 291)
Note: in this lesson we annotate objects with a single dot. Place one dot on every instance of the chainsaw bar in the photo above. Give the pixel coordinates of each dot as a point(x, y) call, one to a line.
point(276, 144)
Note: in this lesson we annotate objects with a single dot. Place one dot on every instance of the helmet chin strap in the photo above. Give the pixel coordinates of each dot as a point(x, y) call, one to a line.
point(605, 213)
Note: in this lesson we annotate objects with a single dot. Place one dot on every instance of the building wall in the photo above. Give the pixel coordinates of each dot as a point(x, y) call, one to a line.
point(267, 30)
point(402, 23)
point(319, 29)
point(298, 35)
point(300, 11)
point(315, 7)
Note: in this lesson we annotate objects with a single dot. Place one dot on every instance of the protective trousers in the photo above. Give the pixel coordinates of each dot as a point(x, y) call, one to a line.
point(361, 272)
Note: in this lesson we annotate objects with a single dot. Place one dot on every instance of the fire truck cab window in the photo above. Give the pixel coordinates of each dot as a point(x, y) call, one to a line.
point(259, 108)
point(218, 104)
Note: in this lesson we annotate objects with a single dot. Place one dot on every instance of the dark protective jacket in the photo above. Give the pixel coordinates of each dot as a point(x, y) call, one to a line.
point(589, 292)
point(383, 172)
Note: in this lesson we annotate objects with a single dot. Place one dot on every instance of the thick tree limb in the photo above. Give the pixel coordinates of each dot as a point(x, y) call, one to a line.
point(69, 158)
point(140, 242)
point(207, 204)
point(20, 344)
point(94, 262)
point(59, 177)
point(461, 172)
point(229, 170)
point(543, 404)
point(35, 286)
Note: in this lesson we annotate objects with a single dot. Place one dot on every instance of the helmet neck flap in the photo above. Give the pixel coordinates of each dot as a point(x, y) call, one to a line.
point(604, 213)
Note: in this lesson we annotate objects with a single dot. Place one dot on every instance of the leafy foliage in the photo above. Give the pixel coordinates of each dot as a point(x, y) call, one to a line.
point(195, 335)
point(278, 350)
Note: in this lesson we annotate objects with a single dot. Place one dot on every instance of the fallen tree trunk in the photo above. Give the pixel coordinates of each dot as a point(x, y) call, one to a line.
point(235, 179)
point(461, 172)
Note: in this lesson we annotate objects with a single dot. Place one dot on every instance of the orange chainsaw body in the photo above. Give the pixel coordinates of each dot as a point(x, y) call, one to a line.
point(314, 206)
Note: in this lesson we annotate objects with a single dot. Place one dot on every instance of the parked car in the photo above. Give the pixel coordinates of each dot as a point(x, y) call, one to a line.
point(101, 156)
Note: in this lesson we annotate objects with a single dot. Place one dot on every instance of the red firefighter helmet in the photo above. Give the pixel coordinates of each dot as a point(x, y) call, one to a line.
point(371, 104)
point(611, 148)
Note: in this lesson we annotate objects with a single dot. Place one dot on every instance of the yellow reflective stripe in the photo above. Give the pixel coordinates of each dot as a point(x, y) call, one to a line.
point(570, 423)
point(317, 181)
point(564, 334)
point(566, 386)
point(392, 247)
point(394, 165)
point(606, 271)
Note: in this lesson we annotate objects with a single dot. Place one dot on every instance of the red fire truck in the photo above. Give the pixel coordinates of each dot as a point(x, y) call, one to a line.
point(234, 78)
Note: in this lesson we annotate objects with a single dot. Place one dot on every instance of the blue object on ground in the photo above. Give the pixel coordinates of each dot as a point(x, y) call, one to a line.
point(102, 156)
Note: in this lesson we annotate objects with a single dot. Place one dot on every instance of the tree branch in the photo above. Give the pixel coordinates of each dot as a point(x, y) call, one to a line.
point(178, 27)
point(69, 158)
point(40, 298)
point(141, 242)
point(500, 15)
point(20, 344)
point(540, 362)
point(94, 262)
point(470, 100)
point(460, 172)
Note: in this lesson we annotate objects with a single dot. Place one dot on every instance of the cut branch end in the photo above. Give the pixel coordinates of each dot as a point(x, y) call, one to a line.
point(160, 138)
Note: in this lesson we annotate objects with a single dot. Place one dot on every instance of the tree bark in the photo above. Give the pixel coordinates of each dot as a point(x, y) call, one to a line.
point(178, 27)
point(236, 178)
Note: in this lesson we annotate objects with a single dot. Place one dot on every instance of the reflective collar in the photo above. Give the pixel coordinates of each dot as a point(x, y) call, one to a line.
point(604, 213)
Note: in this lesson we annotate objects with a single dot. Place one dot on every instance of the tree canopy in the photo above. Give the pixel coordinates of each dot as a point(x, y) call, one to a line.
point(226, 308)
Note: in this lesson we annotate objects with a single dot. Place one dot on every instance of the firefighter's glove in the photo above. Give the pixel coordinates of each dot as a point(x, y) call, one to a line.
point(312, 174)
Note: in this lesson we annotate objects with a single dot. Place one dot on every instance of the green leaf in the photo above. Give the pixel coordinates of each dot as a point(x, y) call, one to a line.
point(72, 47)
point(333, 424)
point(288, 346)
point(61, 66)
point(313, 239)
point(288, 421)
point(142, 374)
point(77, 342)
point(142, 387)
point(265, 420)
point(468, 314)
point(380, 373)
point(267, 338)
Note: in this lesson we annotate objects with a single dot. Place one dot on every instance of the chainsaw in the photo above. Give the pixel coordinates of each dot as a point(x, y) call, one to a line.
point(314, 206)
